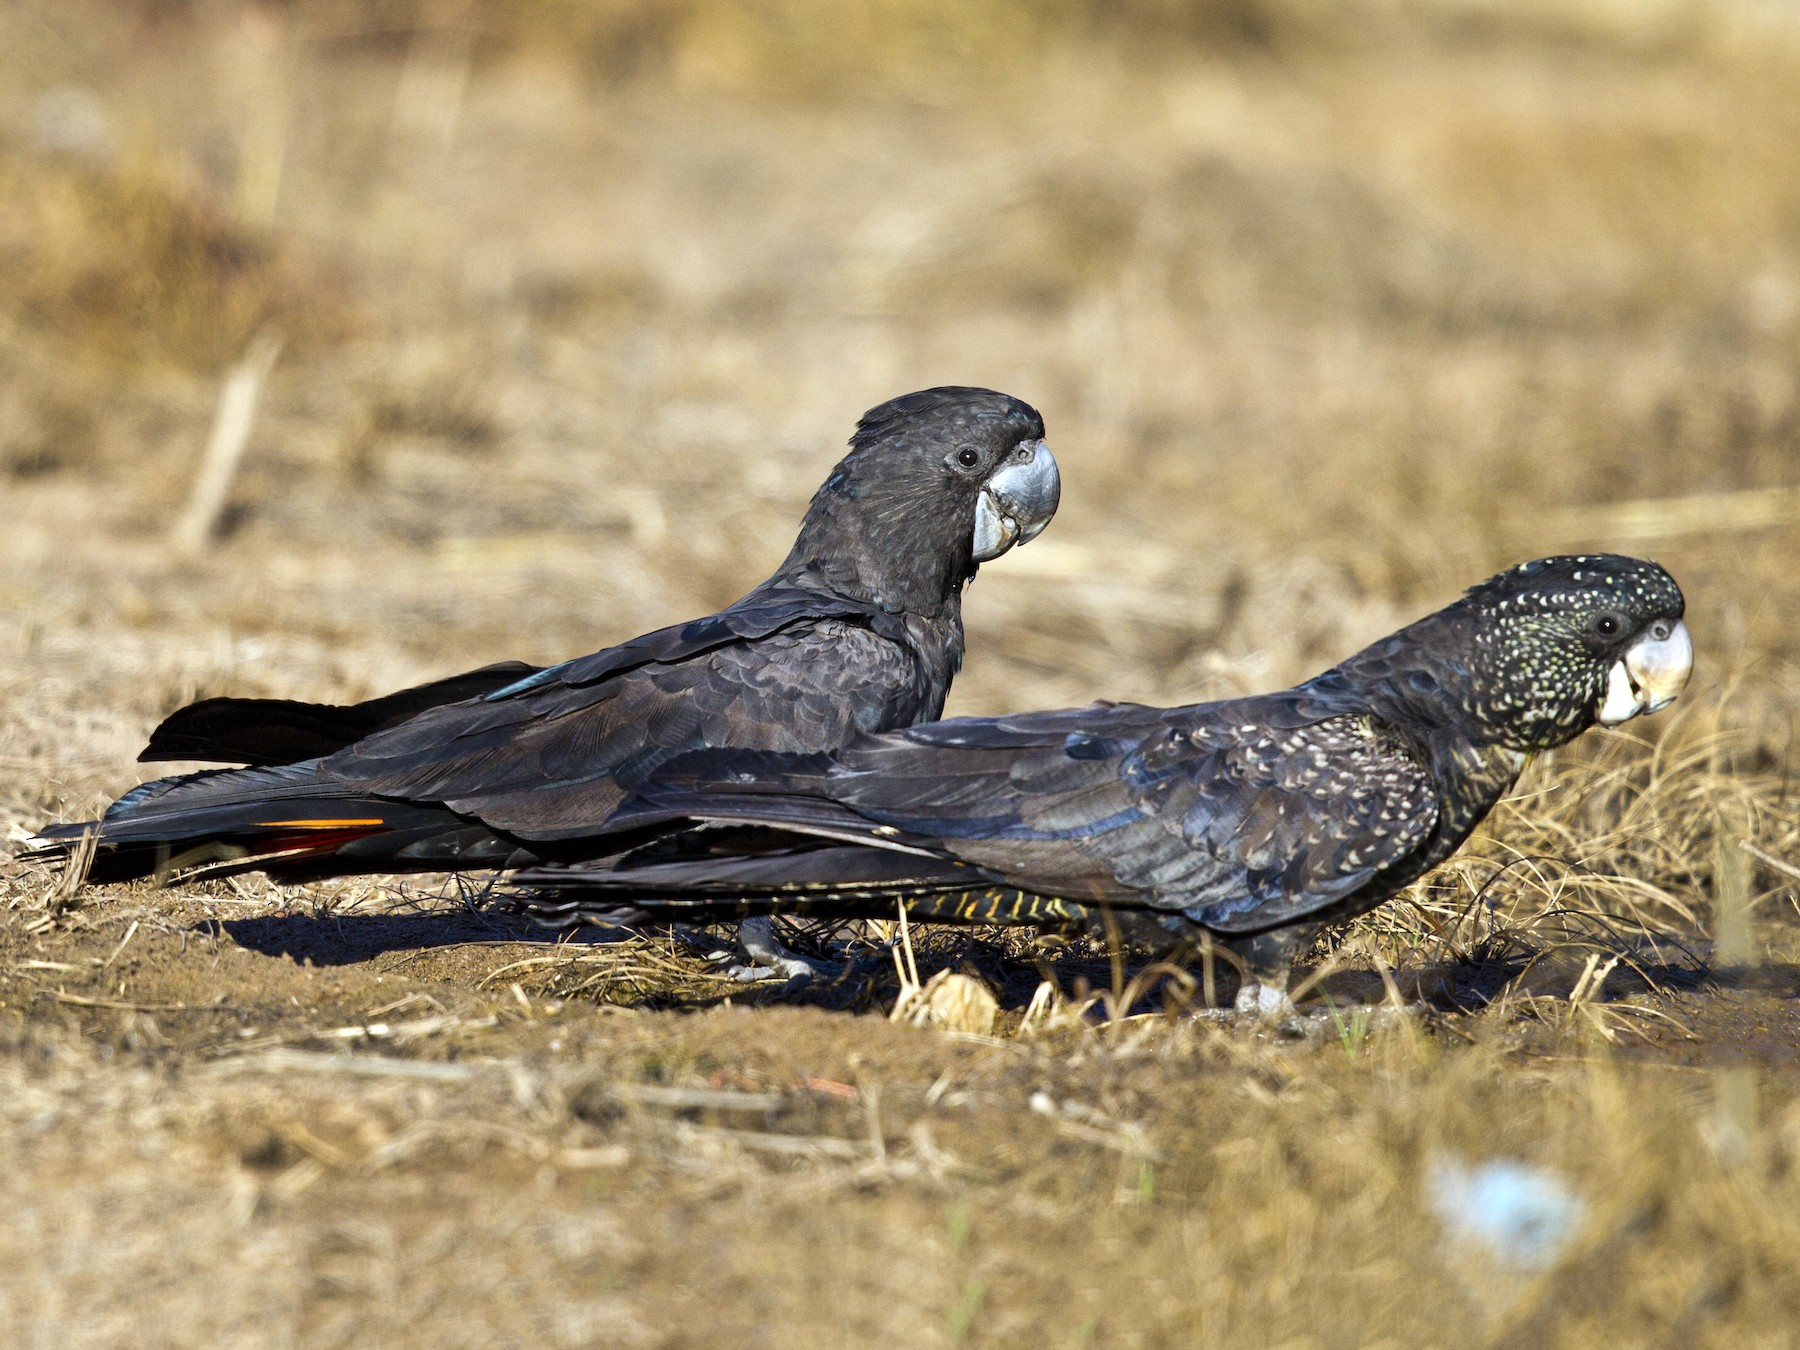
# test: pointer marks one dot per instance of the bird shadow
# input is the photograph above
(347, 939)
(336, 939)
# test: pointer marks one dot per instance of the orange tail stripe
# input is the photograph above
(319, 824)
(308, 841)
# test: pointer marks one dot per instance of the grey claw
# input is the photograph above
(766, 959)
(795, 973)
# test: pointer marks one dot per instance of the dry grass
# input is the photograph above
(1330, 309)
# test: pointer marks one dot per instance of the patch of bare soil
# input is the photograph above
(261, 1123)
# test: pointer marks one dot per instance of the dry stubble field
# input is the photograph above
(1331, 310)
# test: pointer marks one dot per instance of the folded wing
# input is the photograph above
(550, 756)
(1238, 816)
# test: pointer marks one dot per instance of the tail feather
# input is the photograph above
(264, 732)
(283, 819)
(943, 904)
(830, 881)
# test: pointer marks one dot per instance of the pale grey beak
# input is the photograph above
(1647, 678)
(1017, 502)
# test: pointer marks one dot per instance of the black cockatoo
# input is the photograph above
(859, 630)
(1250, 821)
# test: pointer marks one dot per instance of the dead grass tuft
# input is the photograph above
(134, 266)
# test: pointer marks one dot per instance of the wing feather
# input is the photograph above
(1241, 816)
(552, 760)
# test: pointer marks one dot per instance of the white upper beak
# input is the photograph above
(1647, 678)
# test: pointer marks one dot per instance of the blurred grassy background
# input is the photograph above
(1331, 309)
